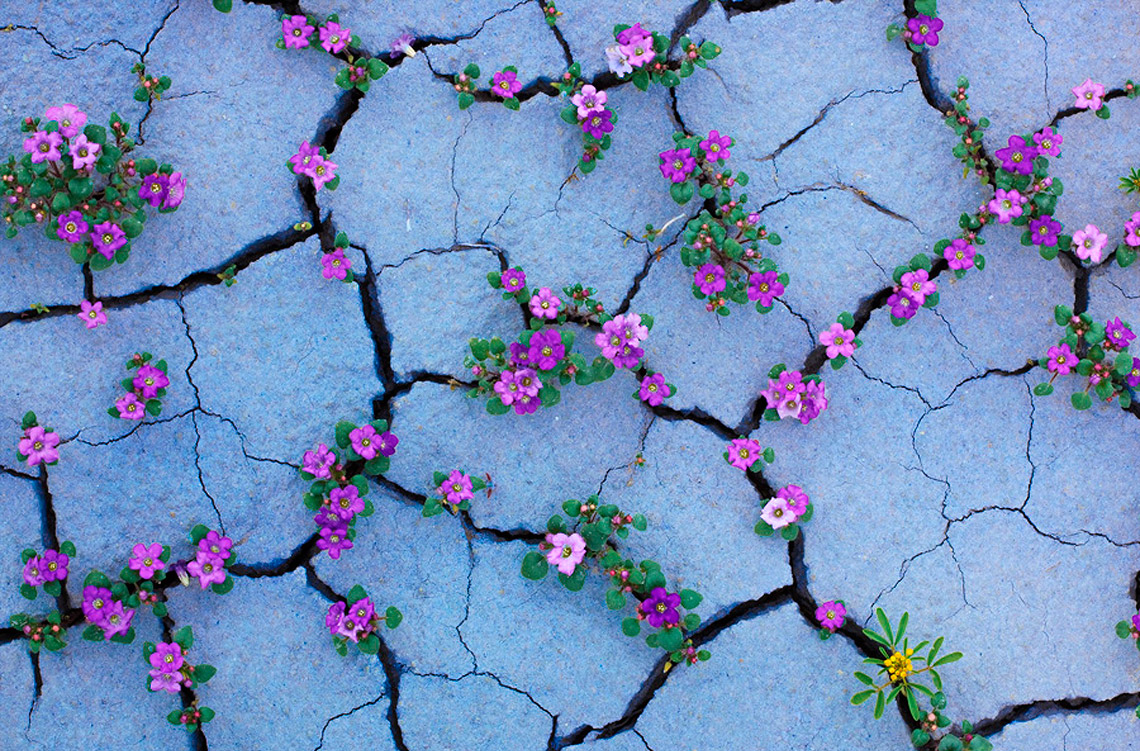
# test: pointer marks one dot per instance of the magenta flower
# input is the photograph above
(43, 146)
(216, 545)
(639, 51)
(1117, 334)
(743, 452)
(334, 617)
(364, 441)
(1048, 142)
(654, 390)
(346, 502)
(528, 381)
(924, 30)
(1089, 242)
(318, 463)
(457, 488)
(167, 657)
(777, 513)
(567, 551)
(84, 153)
(790, 383)
(902, 306)
(117, 620)
(959, 254)
(334, 37)
(627, 356)
(53, 566)
(610, 339)
(507, 387)
(70, 118)
(1136, 621)
(146, 559)
(303, 157)
(362, 612)
(1044, 230)
(789, 406)
(402, 45)
(764, 288)
(513, 280)
(33, 572)
(1006, 204)
(168, 682)
(505, 84)
(525, 404)
(677, 164)
(149, 380)
(208, 568)
(388, 443)
(1061, 360)
(38, 445)
(660, 608)
(335, 265)
(296, 30)
(520, 355)
(176, 185)
(322, 171)
(1089, 95)
(831, 615)
(716, 146)
(130, 408)
(918, 285)
(107, 238)
(335, 540)
(544, 304)
(1017, 157)
(631, 327)
(587, 100)
(796, 499)
(709, 278)
(1133, 377)
(327, 517)
(838, 340)
(1132, 231)
(95, 603)
(91, 314)
(154, 189)
(597, 124)
(814, 401)
(71, 227)
(632, 34)
(546, 349)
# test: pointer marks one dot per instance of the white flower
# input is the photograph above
(777, 513)
(619, 63)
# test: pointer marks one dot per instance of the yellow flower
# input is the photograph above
(898, 666)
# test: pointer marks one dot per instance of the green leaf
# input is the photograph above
(862, 696)
(343, 428)
(393, 617)
(377, 465)
(709, 50)
(615, 600)
(534, 566)
(950, 743)
(670, 639)
(639, 522)
(204, 672)
(1081, 400)
(631, 626)
(1123, 629)
(549, 395)
(864, 678)
(880, 704)
(690, 599)
(495, 406)
(465, 100)
(370, 646)
(790, 532)
(97, 579)
(952, 657)
(357, 593)
(681, 192)
(223, 586)
(28, 591)
(1043, 389)
(885, 624)
(185, 637)
(511, 103)
(472, 70)
(641, 79)
(919, 737)
(225, 6)
(575, 581)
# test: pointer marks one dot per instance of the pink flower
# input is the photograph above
(321, 170)
(1132, 230)
(505, 84)
(831, 614)
(71, 120)
(84, 153)
(39, 445)
(743, 452)
(544, 304)
(43, 146)
(1089, 95)
(716, 146)
(149, 380)
(764, 288)
(777, 514)
(1061, 360)
(567, 552)
(639, 51)
(1006, 205)
(588, 100)
(130, 408)
(334, 37)
(169, 682)
(364, 441)
(346, 502)
(146, 559)
(208, 568)
(296, 30)
(796, 499)
(959, 254)
(335, 265)
(304, 155)
(709, 278)
(318, 463)
(91, 314)
(838, 340)
(917, 284)
(1089, 242)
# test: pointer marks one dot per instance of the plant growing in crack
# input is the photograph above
(1130, 629)
(297, 33)
(145, 389)
(723, 244)
(334, 264)
(38, 445)
(921, 28)
(1098, 353)
(785, 512)
(454, 492)
(151, 88)
(339, 487)
(171, 671)
(1126, 251)
(793, 395)
(48, 570)
(313, 162)
(356, 619)
(643, 56)
(831, 616)
(590, 536)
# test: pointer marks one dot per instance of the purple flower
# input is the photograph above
(764, 287)
(505, 84)
(513, 280)
(618, 61)
(709, 278)
(362, 612)
(677, 164)
(33, 572)
(322, 171)
(1132, 230)
(1133, 377)
(795, 498)
(566, 551)
(72, 228)
(525, 404)
(918, 285)
(208, 568)
(1006, 204)
(1044, 230)
(507, 386)
(303, 157)
(91, 314)
(587, 100)
(130, 408)
(216, 545)
(789, 406)
(43, 146)
(528, 382)
(1061, 360)
(654, 389)
(632, 34)
(117, 620)
(327, 517)
(364, 441)
(627, 356)
(334, 37)
(176, 185)
(39, 446)
(402, 45)
(318, 463)
(716, 145)
(53, 566)
(813, 401)
(743, 452)
(838, 340)
(96, 600)
(296, 30)
(1117, 333)
(520, 355)
(639, 51)
(108, 237)
(544, 304)
(831, 615)
(546, 349)
(1089, 95)
(902, 306)
(1017, 157)
(1136, 621)
(660, 608)
(149, 380)
(959, 254)
(777, 513)
(597, 124)
(631, 327)
(346, 502)
(168, 682)
(1089, 242)
(146, 559)
(167, 657)
(790, 383)
(334, 617)
(334, 540)
(1048, 142)
(457, 488)
(70, 118)
(924, 30)
(610, 339)
(84, 153)
(154, 189)
(388, 443)
(335, 264)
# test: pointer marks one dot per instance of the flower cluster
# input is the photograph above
(528, 372)
(1098, 353)
(921, 29)
(831, 616)
(747, 454)
(313, 162)
(48, 570)
(839, 340)
(1127, 250)
(914, 288)
(171, 671)
(151, 88)
(213, 553)
(46, 633)
(356, 620)
(589, 538)
(334, 264)
(300, 32)
(339, 489)
(1130, 629)
(145, 389)
(81, 185)
(588, 112)
(790, 508)
(38, 445)
(791, 394)
(454, 492)
(723, 246)
(641, 54)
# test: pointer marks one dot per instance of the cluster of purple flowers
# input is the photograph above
(167, 664)
(311, 161)
(911, 293)
(590, 108)
(38, 445)
(619, 340)
(453, 492)
(43, 569)
(634, 50)
(356, 620)
(297, 34)
(792, 395)
(334, 264)
(145, 389)
(106, 612)
(1109, 370)
(790, 505)
(209, 564)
